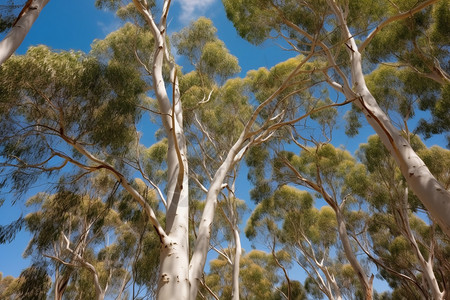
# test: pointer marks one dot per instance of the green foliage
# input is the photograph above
(437, 160)
(123, 11)
(258, 23)
(200, 45)
(336, 170)
(52, 96)
(35, 283)
(32, 284)
(122, 45)
(9, 287)
(387, 226)
(95, 99)
(383, 170)
(440, 114)
(191, 40)
(257, 274)
(421, 71)
(297, 291)
(290, 216)
(8, 232)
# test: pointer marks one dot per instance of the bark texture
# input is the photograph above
(21, 27)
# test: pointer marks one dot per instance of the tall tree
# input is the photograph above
(327, 170)
(336, 33)
(308, 236)
(72, 229)
(402, 241)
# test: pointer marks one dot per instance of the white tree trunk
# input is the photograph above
(426, 265)
(23, 24)
(430, 192)
(236, 264)
(198, 259)
(174, 256)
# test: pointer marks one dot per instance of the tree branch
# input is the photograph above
(398, 17)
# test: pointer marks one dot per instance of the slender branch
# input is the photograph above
(398, 17)
(122, 179)
(286, 275)
(158, 190)
(60, 260)
(221, 253)
(208, 289)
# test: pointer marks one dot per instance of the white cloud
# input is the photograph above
(108, 27)
(191, 9)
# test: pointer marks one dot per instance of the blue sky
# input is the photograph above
(74, 24)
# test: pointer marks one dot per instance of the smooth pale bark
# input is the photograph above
(198, 259)
(21, 28)
(426, 265)
(430, 192)
(174, 256)
(327, 285)
(99, 291)
(60, 285)
(236, 264)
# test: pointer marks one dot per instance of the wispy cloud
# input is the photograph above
(108, 27)
(191, 9)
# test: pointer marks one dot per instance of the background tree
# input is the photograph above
(288, 219)
(402, 240)
(73, 228)
(259, 279)
(329, 171)
(420, 65)
(33, 283)
(66, 116)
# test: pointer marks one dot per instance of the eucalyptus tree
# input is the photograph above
(338, 33)
(410, 251)
(258, 275)
(32, 283)
(20, 27)
(329, 172)
(137, 245)
(73, 228)
(307, 235)
(208, 141)
(417, 66)
(9, 287)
